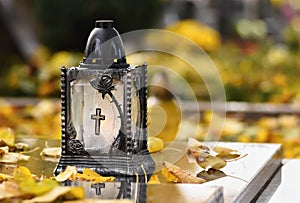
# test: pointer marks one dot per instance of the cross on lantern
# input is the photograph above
(98, 118)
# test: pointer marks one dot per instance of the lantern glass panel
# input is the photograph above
(96, 117)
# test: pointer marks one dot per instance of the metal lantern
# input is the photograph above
(104, 110)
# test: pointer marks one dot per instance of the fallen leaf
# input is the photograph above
(21, 173)
(51, 151)
(154, 179)
(4, 177)
(68, 174)
(37, 188)
(5, 149)
(56, 192)
(91, 175)
(155, 144)
(226, 153)
(7, 136)
(4, 193)
(13, 157)
(175, 174)
(211, 174)
(205, 160)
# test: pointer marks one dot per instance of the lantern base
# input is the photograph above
(121, 166)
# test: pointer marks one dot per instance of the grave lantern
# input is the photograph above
(104, 110)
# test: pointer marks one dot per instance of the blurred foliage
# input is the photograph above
(69, 22)
(283, 129)
(41, 77)
(34, 120)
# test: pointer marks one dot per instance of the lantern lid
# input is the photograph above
(104, 47)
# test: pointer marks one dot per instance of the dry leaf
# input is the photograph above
(21, 173)
(4, 194)
(37, 188)
(4, 177)
(51, 151)
(154, 179)
(211, 174)
(175, 174)
(226, 153)
(91, 175)
(68, 174)
(7, 136)
(51, 196)
(13, 157)
(155, 144)
(205, 160)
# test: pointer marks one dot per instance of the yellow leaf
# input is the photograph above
(154, 179)
(90, 172)
(155, 144)
(5, 176)
(69, 173)
(51, 151)
(77, 192)
(37, 188)
(56, 192)
(21, 173)
(169, 176)
(226, 153)
(91, 175)
(7, 135)
(174, 173)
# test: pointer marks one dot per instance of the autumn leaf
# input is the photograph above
(62, 192)
(21, 173)
(4, 177)
(68, 174)
(37, 188)
(205, 160)
(7, 136)
(226, 153)
(51, 151)
(155, 144)
(13, 157)
(211, 174)
(91, 175)
(154, 179)
(175, 174)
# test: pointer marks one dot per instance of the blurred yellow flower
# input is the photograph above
(206, 37)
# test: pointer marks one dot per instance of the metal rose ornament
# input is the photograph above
(104, 110)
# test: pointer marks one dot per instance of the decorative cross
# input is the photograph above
(98, 118)
(98, 187)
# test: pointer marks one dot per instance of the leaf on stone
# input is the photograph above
(211, 174)
(13, 157)
(68, 174)
(21, 173)
(154, 179)
(68, 193)
(205, 160)
(90, 175)
(226, 153)
(37, 188)
(51, 151)
(176, 174)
